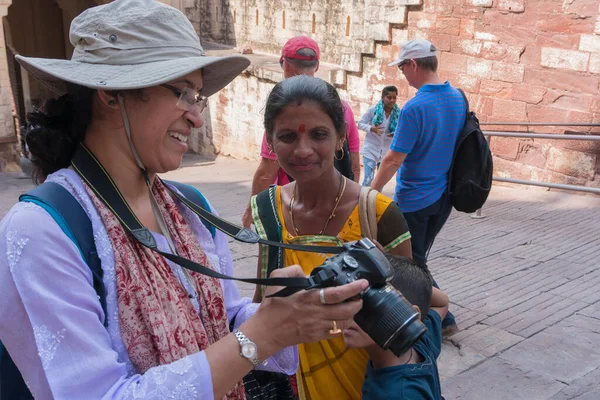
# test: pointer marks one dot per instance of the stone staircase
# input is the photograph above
(380, 17)
(346, 30)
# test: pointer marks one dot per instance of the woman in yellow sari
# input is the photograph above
(304, 121)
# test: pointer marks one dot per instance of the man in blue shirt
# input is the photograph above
(422, 149)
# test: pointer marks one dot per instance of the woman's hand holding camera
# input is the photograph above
(306, 316)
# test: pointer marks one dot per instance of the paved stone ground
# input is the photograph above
(523, 283)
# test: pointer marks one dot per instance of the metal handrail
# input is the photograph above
(538, 124)
(579, 188)
(549, 185)
(593, 138)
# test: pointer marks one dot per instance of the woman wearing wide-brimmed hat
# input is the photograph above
(133, 90)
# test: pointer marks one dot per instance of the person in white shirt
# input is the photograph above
(379, 122)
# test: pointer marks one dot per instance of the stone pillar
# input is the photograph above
(9, 146)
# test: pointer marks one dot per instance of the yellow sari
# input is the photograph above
(328, 369)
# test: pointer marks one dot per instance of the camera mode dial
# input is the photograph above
(350, 261)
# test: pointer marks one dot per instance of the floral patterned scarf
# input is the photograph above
(378, 116)
(159, 324)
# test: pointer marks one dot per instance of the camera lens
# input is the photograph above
(389, 319)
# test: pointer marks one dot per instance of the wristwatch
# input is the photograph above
(248, 348)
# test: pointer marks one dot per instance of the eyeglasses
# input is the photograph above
(403, 63)
(188, 98)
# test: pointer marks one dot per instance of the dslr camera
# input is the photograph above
(386, 316)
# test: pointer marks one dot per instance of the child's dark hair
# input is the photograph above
(386, 90)
(413, 280)
(301, 88)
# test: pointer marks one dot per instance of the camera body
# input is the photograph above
(386, 316)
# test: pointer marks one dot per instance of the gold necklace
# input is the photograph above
(331, 215)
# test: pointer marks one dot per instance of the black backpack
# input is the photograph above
(470, 178)
(73, 220)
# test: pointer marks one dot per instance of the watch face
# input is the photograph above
(249, 350)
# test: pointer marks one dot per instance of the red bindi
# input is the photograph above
(301, 128)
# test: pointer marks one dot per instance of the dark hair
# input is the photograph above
(386, 90)
(59, 125)
(413, 280)
(56, 129)
(298, 88)
(428, 63)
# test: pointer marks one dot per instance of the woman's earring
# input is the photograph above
(111, 103)
(335, 155)
(270, 152)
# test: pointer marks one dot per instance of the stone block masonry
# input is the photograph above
(517, 61)
(533, 64)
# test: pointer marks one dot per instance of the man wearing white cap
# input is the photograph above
(422, 149)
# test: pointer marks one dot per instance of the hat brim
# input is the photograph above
(398, 61)
(217, 72)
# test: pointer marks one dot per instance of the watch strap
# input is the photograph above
(243, 340)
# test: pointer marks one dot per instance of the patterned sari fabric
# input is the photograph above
(159, 324)
(328, 369)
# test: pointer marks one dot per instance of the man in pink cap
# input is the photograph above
(300, 56)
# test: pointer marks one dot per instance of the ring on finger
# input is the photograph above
(322, 296)
(335, 330)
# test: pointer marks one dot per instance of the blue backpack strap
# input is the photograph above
(74, 222)
(194, 195)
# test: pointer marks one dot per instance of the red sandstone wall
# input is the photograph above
(518, 60)
(534, 60)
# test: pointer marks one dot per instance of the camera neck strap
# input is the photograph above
(97, 178)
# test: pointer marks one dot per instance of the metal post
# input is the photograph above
(478, 214)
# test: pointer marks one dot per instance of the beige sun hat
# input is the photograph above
(133, 44)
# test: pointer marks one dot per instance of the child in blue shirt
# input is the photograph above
(414, 374)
